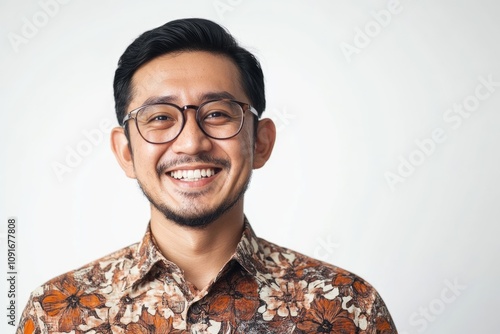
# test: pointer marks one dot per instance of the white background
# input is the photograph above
(344, 122)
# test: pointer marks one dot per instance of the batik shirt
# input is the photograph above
(263, 288)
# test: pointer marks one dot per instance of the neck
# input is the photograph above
(199, 252)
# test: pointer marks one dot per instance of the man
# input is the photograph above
(188, 100)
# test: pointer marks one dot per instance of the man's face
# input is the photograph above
(191, 78)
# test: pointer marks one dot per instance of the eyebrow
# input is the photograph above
(202, 98)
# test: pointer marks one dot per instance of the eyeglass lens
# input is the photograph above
(161, 123)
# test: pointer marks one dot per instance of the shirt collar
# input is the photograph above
(145, 258)
(249, 254)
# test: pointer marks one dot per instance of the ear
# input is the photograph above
(121, 149)
(266, 135)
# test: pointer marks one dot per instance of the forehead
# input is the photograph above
(186, 76)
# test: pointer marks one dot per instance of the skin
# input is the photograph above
(189, 78)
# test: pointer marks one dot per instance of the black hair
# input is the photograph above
(191, 34)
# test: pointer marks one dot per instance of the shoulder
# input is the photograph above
(80, 291)
(285, 262)
(320, 289)
(98, 273)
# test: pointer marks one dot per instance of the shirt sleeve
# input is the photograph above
(382, 322)
(29, 323)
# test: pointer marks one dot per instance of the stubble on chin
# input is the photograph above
(194, 217)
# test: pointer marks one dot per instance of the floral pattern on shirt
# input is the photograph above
(264, 288)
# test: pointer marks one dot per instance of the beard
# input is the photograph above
(194, 217)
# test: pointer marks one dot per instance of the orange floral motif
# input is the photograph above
(151, 324)
(106, 328)
(285, 299)
(70, 304)
(343, 279)
(295, 266)
(353, 285)
(383, 326)
(95, 276)
(129, 305)
(29, 327)
(327, 316)
(238, 297)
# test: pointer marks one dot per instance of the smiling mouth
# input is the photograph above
(193, 174)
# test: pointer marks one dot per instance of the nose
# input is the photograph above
(191, 140)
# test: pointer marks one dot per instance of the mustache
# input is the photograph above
(201, 158)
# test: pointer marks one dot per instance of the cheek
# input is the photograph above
(246, 148)
(146, 157)
(247, 152)
(248, 139)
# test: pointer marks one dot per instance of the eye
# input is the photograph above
(217, 114)
(217, 117)
(160, 118)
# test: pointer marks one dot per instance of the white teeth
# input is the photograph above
(192, 174)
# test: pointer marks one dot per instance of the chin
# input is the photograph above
(194, 219)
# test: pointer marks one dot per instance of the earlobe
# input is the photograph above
(121, 150)
(266, 135)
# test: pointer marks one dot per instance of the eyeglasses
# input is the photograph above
(161, 123)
